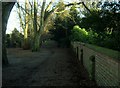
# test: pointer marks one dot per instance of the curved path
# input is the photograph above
(51, 66)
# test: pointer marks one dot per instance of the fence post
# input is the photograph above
(92, 58)
(77, 53)
(81, 56)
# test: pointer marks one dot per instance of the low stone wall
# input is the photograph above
(101, 68)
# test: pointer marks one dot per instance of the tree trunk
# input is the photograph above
(36, 44)
(6, 9)
(41, 29)
(26, 43)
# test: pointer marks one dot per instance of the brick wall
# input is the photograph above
(106, 68)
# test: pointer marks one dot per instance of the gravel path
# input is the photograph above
(48, 67)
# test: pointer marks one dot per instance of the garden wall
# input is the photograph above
(101, 68)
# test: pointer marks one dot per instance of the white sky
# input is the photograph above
(13, 21)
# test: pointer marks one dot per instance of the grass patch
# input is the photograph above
(106, 51)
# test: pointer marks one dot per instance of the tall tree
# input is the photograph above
(24, 17)
(26, 44)
(36, 34)
(44, 16)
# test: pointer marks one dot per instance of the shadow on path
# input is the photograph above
(51, 66)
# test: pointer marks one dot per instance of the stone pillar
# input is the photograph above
(92, 59)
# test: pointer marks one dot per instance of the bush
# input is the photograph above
(14, 39)
(79, 34)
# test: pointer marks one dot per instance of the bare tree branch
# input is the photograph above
(21, 22)
(86, 7)
(78, 4)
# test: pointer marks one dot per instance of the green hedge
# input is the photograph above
(108, 52)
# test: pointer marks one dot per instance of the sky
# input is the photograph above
(13, 21)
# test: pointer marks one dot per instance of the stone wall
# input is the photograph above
(105, 70)
(0, 43)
